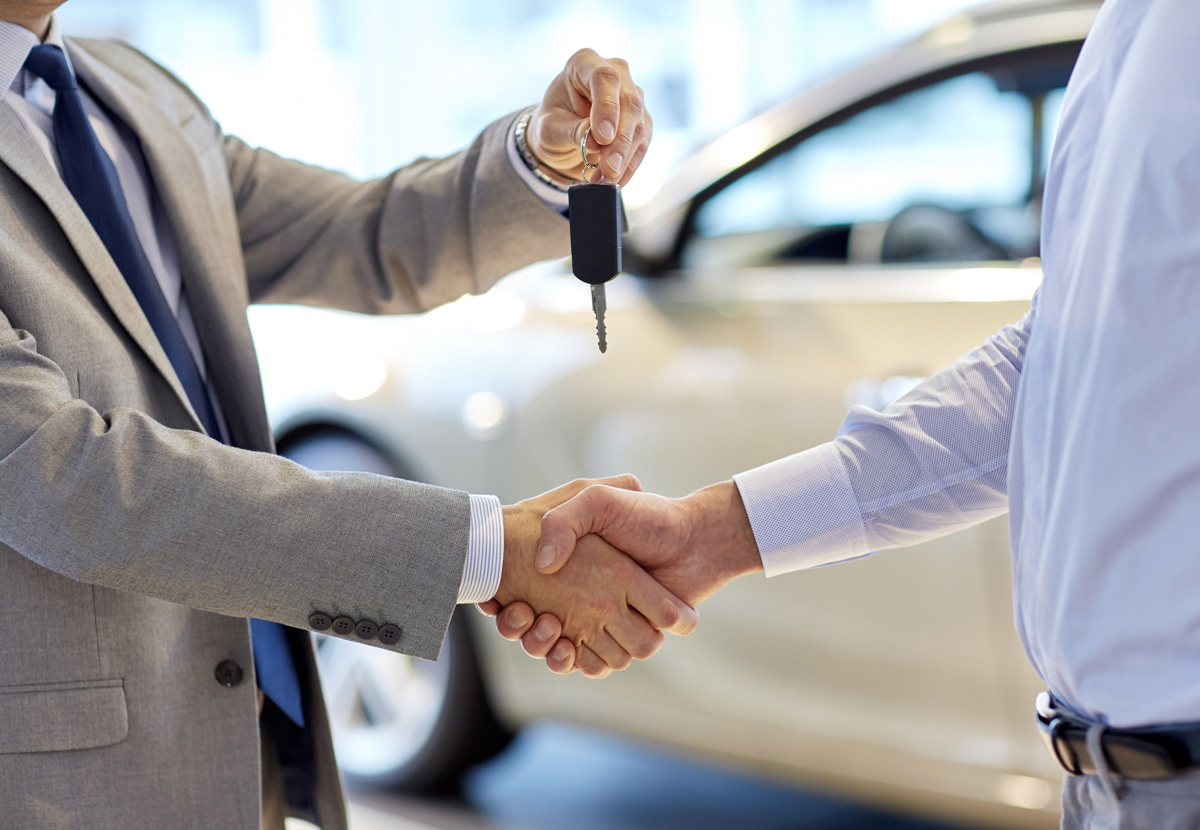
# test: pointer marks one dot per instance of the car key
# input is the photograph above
(596, 221)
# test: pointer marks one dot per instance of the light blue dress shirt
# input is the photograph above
(1083, 418)
(33, 102)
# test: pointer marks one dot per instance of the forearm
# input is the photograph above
(933, 462)
(427, 234)
(118, 499)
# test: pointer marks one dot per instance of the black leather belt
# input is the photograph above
(1153, 752)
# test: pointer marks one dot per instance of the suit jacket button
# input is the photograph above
(343, 626)
(366, 630)
(320, 622)
(389, 635)
(228, 673)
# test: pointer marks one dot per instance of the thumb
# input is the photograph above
(594, 510)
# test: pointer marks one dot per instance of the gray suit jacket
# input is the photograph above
(132, 547)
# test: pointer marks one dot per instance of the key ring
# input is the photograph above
(587, 165)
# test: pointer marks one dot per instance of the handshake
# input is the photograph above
(595, 571)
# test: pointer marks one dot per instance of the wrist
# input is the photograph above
(721, 527)
(542, 171)
(520, 535)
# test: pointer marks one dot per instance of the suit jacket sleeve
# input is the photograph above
(120, 500)
(426, 234)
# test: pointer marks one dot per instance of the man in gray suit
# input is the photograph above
(143, 517)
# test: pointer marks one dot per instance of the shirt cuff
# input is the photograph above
(485, 551)
(803, 511)
(552, 197)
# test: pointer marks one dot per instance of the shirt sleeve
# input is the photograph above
(933, 462)
(485, 551)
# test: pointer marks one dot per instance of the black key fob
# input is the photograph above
(596, 218)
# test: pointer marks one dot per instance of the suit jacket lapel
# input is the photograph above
(25, 159)
(217, 298)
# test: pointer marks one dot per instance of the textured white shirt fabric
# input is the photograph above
(1081, 418)
(32, 100)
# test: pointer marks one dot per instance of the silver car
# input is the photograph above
(831, 251)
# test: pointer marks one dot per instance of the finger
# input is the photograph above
(542, 636)
(571, 489)
(603, 82)
(561, 659)
(590, 664)
(636, 635)
(638, 154)
(600, 81)
(489, 608)
(610, 651)
(625, 481)
(514, 621)
(617, 155)
(590, 511)
(633, 165)
(664, 610)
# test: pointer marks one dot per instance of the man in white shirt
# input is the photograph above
(1080, 420)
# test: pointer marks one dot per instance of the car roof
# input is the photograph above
(988, 31)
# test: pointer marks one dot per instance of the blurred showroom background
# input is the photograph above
(395, 79)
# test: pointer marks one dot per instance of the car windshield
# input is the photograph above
(949, 172)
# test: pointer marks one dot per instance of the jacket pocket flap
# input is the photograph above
(60, 716)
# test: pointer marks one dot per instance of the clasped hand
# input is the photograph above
(613, 568)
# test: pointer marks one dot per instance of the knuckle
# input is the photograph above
(601, 607)
(620, 62)
(633, 104)
(647, 648)
(583, 54)
(607, 74)
(669, 614)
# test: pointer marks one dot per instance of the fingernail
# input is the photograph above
(517, 618)
(543, 631)
(607, 130)
(545, 556)
(559, 652)
(616, 162)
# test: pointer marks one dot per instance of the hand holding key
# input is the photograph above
(597, 94)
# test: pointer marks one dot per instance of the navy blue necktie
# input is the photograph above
(92, 179)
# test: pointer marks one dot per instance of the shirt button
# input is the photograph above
(389, 635)
(343, 626)
(366, 630)
(228, 673)
(320, 622)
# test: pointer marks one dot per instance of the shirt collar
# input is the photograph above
(15, 43)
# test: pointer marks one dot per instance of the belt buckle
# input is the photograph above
(1129, 756)
(1058, 743)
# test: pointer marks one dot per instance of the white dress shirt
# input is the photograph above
(33, 102)
(1082, 419)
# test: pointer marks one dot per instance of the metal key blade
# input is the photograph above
(598, 305)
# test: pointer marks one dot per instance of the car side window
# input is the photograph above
(942, 173)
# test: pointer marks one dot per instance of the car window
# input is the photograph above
(941, 173)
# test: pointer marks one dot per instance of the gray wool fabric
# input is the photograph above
(132, 547)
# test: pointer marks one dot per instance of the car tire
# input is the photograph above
(398, 722)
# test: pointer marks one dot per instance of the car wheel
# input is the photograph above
(398, 721)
